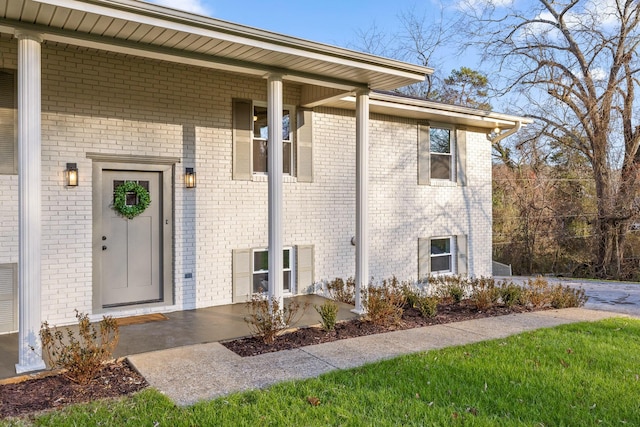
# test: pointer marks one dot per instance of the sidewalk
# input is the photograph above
(206, 371)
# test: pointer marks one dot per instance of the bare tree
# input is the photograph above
(576, 62)
(420, 40)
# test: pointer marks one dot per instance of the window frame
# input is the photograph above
(291, 269)
(452, 254)
(12, 169)
(452, 152)
(290, 141)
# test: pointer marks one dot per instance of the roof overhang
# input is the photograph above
(147, 30)
(421, 109)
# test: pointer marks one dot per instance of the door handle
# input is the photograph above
(104, 248)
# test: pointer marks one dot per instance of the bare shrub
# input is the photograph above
(342, 291)
(427, 304)
(384, 303)
(328, 312)
(81, 357)
(484, 293)
(267, 320)
(565, 296)
(453, 288)
(510, 294)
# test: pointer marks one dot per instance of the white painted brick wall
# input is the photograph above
(100, 102)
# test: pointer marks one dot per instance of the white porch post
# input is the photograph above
(362, 201)
(275, 147)
(30, 203)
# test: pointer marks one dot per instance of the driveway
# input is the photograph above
(619, 297)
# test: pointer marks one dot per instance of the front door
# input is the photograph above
(131, 249)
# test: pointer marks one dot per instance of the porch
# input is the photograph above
(181, 328)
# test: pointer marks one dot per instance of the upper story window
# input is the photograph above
(261, 142)
(8, 138)
(440, 141)
(442, 154)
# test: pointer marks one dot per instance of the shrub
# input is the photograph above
(266, 320)
(340, 291)
(427, 304)
(484, 293)
(384, 303)
(449, 287)
(328, 312)
(564, 296)
(81, 357)
(536, 293)
(510, 294)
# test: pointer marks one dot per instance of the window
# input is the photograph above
(441, 256)
(440, 149)
(442, 154)
(260, 140)
(8, 138)
(261, 270)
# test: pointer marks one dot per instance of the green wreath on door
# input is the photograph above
(120, 199)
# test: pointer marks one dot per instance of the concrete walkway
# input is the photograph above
(206, 371)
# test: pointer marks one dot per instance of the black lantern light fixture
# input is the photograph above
(189, 178)
(71, 174)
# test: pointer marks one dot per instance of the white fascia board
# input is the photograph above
(144, 13)
(406, 103)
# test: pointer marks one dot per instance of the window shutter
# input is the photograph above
(305, 146)
(461, 151)
(242, 275)
(424, 156)
(8, 139)
(242, 139)
(462, 259)
(424, 258)
(305, 267)
(8, 297)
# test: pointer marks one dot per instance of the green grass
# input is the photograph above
(576, 375)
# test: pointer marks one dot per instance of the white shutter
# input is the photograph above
(462, 259)
(242, 275)
(461, 156)
(424, 258)
(8, 297)
(8, 145)
(242, 139)
(305, 146)
(305, 269)
(424, 154)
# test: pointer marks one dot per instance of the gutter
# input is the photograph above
(510, 132)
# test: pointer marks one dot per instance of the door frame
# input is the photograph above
(166, 167)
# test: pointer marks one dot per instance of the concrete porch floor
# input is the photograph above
(204, 325)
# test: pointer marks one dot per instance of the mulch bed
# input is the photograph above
(120, 379)
(447, 313)
(52, 392)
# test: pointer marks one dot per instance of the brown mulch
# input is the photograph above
(120, 379)
(55, 391)
(447, 313)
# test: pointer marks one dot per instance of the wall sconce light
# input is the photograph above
(189, 178)
(71, 174)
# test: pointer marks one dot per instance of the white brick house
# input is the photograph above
(373, 184)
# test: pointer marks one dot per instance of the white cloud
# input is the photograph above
(194, 6)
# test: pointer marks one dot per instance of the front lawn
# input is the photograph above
(576, 375)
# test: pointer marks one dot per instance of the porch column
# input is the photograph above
(274, 166)
(362, 201)
(30, 202)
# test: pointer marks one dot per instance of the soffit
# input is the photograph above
(148, 30)
(420, 109)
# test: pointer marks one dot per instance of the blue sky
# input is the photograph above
(334, 22)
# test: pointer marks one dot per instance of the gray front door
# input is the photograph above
(131, 249)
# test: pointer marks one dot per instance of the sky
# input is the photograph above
(334, 22)
(328, 21)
